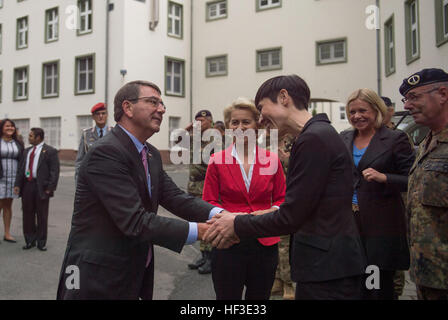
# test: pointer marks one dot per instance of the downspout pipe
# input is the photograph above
(191, 61)
(106, 73)
(378, 50)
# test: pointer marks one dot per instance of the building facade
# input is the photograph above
(60, 57)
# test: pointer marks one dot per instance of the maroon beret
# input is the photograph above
(98, 106)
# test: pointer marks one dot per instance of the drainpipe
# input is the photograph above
(378, 51)
(191, 61)
(106, 81)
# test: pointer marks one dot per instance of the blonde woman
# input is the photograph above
(382, 159)
(237, 184)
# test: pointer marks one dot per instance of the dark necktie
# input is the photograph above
(31, 163)
(145, 165)
(101, 133)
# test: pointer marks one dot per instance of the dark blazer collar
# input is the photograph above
(126, 141)
(321, 117)
(377, 146)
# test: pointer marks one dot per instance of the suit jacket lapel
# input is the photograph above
(42, 155)
(235, 172)
(154, 168)
(135, 156)
(376, 148)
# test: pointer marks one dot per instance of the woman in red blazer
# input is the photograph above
(235, 185)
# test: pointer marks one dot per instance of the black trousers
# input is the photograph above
(35, 214)
(247, 264)
(339, 289)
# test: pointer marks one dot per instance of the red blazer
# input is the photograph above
(224, 184)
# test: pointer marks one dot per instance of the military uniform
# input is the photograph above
(428, 213)
(88, 138)
(427, 203)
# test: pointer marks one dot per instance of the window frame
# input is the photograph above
(389, 52)
(208, 18)
(19, 31)
(81, 14)
(173, 19)
(77, 58)
(209, 74)
(1, 38)
(1, 85)
(182, 77)
(47, 131)
(409, 28)
(441, 22)
(269, 6)
(57, 80)
(319, 61)
(270, 67)
(15, 83)
(55, 25)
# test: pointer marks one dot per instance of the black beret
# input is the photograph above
(422, 78)
(387, 101)
(203, 113)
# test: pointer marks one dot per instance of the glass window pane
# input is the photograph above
(339, 50)
(276, 58)
(325, 51)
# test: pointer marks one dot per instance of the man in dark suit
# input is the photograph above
(327, 259)
(36, 181)
(120, 185)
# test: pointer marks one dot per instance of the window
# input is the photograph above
(52, 129)
(441, 22)
(389, 46)
(85, 74)
(174, 123)
(1, 38)
(174, 85)
(331, 51)
(21, 83)
(175, 20)
(85, 16)
(268, 4)
(23, 128)
(342, 113)
(22, 33)
(51, 25)
(84, 122)
(269, 59)
(1, 3)
(412, 31)
(50, 79)
(1, 84)
(216, 10)
(216, 66)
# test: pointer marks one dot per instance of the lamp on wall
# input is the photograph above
(123, 72)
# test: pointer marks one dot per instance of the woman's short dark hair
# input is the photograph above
(2, 125)
(38, 132)
(130, 91)
(296, 87)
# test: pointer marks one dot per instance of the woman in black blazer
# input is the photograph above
(382, 159)
(11, 151)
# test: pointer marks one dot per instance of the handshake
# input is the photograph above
(220, 230)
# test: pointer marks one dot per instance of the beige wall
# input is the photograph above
(431, 56)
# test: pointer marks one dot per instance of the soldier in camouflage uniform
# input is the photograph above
(90, 135)
(426, 97)
(195, 186)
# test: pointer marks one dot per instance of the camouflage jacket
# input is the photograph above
(427, 209)
(197, 171)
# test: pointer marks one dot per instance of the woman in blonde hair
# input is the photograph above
(382, 159)
(238, 179)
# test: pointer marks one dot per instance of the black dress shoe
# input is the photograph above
(44, 248)
(28, 246)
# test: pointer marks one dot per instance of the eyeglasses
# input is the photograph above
(412, 97)
(151, 100)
